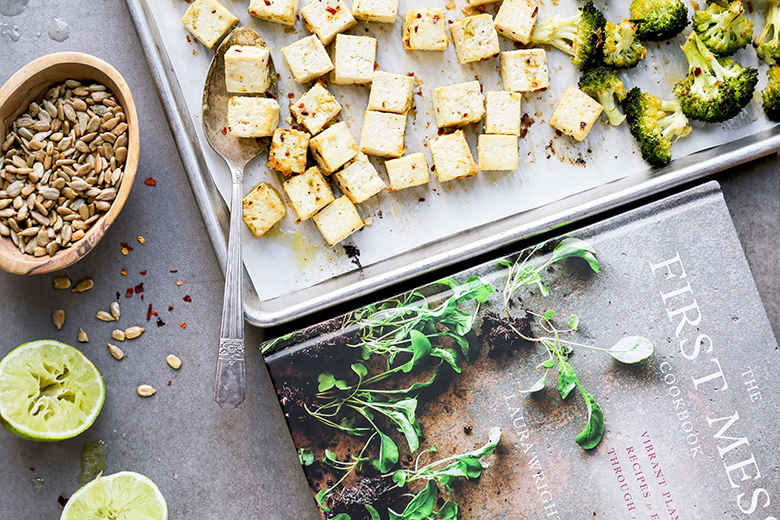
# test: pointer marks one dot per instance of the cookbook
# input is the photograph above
(622, 371)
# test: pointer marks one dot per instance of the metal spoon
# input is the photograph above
(230, 387)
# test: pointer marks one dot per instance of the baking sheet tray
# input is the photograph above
(422, 229)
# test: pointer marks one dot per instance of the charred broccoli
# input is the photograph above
(581, 36)
(768, 42)
(622, 48)
(716, 88)
(603, 85)
(722, 27)
(656, 124)
(659, 20)
(771, 94)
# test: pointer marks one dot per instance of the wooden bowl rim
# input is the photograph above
(11, 259)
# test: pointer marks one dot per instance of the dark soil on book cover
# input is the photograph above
(374, 491)
(500, 335)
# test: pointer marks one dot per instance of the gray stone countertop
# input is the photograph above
(209, 463)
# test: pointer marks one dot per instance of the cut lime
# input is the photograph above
(125, 495)
(49, 391)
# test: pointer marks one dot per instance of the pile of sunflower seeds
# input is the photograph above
(61, 166)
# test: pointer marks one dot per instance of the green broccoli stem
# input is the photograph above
(772, 25)
(559, 32)
(608, 101)
(700, 64)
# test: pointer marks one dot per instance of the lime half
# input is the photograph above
(125, 495)
(49, 391)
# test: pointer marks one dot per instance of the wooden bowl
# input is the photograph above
(30, 84)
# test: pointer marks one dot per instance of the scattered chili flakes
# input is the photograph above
(149, 313)
(179, 283)
(160, 322)
(124, 272)
(154, 313)
(169, 383)
(129, 293)
(187, 299)
(150, 182)
(139, 288)
(32, 469)
(142, 297)
(62, 501)
(118, 295)
(183, 325)
(141, 239)
(175, 271)
(170, 308)
(142, 273)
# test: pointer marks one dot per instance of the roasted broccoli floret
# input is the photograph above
(622, 48)
(768, 42)
(581, 36)
(771, 94)
(659, 20)
(656, 124)
(722, 27)
(716, 88)
(604, 85)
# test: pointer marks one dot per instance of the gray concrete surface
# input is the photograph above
(209, 463)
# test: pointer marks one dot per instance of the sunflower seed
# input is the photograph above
(173, 361)
(83, 338)
(104, 316)
(84, 285)
(115, 351)
(146, 390)
(118, 335)
(115, 312)
(133, 332)
(58, 317)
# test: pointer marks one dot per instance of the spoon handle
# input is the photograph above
(230, 388)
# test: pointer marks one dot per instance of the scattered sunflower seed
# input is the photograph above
(146, 390)
(104, 316)
(133, 332)
(118, 335)
(115, 312)
(84, 285)
(83, 338)
(63, 282)
(174, 362)
(58, 317)
(115, 351)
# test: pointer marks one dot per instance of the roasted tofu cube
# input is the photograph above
(208, 21)
(277, 11)
(425, 30)
(338, 221)
(458, 105)
(503, 112)
(262, 208)
(288, 151)
(408, 171)
(252, 116)
(475, 38)
(524, 70)
(498, 152)
(383, 11)
(247, 70)
(307, 59)
(315, 108)
(383, 134)
(452, 157)
(308, 193)
(391, 92)
(359, 179)
(516, 19)
(480, 2)
(575, 113)
(327, 18)
(333, 147)
(354, 58)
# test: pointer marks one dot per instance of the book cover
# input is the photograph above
(625, 371)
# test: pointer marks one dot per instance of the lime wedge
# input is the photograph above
(49, 391)
(125, 495)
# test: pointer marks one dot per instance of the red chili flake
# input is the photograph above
(149, 313)
(124, 245)
(169, 383)
(175, 271)
(224, 130)
(170, 308)
(32, 469)
(183, 325)
(139, 288)
(154, 313)
(268, 3)
(142, 297)
(160, 322)
(187, 299)
(331, 10)
(291, 95)
(421, 199)
(150, 182)
(124, 272)
(62, 501)
(583, 125)
(129, 293)
(142, 273)
(118, 295)
(536, 11)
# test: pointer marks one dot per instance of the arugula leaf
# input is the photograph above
(590, 437)
(421, 348)
(388, 454)
(399, 477)
(342, 516)
(548, 315)
(447, 356)
(567, 379)
(360, 370)
(449, 511)
(538, 386)
(373, 512)
(574, 322)
(494, 436)
(574, 247)
(326, 380)
(306, 457)
(632, 349)
(421, 506)
(550, 363)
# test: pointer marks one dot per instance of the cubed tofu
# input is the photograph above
(327, 18)
(246, 69)
(359, 179)
(383, 11)
(354, 58)
(333, 147)
(503, 112)
(308, 193)
(252, 116)
(315, 108)
(458, 105)
(383, 134)
(277, 11)
(481, 2)
(425, 30)
(307, 59)
(391, 92)
(524, 70)
(576, 113)
(475, 38)
(452, 157)
(408, 171)
(288, 151)
(516, 19)
(338, 221)
(208, 21)
(262, 208)
(498, 152)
